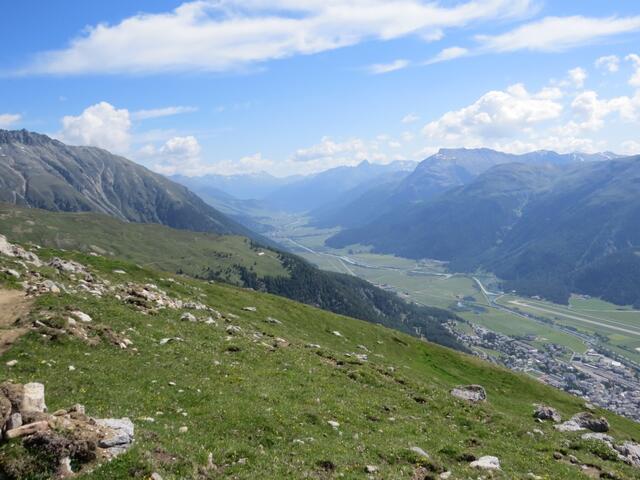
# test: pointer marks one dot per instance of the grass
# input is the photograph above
(190, 252)
(250, 406)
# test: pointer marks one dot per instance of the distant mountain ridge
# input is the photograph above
(545, 229)
(38, 171)
(446, 169)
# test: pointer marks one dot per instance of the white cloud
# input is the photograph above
(100, 125)
(497, 114)
(9, 119)
(448, 54)
(228, 34)
(610, 63)
(177, 155)
(553, 34)
(161, 112)
(634, 81)
(578, 76)
(410, 118)
(380, 68)
(630, 147)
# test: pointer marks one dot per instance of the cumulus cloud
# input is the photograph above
(610, 63)
(178, 154)
(497, 114)
(9, 119)
(222, 35)
(630, 147)
(578, 76)
(161, 112)
(553, 34)
(100, 125)
(634, 81)
(380, 68)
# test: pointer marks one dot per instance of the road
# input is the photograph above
(575, 317)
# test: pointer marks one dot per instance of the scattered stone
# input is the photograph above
(573, 459)
(370, 469)
(188, 317)
(164, 341)
(312, 345)
(155, 476)
(119, 272)
(445, 475)
(544, 412)
(486, 463)
(11, 363)
(471, 393)
(274, 321)
(420, 452)
(250, 309)
(334, 424)
(233, 330)
(336, 333)
(83, 317)
(14, 421)
(183, 429)
(600, 437)
(64, 468)
(584, 421)
(11, 272)
(119, 437)
(629, 452)
(67, 266)
(558, 455)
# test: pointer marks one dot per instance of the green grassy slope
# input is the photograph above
(263, 412)
(227, 258)
(193, 253)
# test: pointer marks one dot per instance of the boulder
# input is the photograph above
(83, 317)
(486, 463)
(471, 393)
(544, 412)
(26, 430)
(118, 436)
(188, 317)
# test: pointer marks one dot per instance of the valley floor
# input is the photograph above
(589, 347)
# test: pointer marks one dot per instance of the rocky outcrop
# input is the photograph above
(584, 421)
(486, 463)
(66, 437)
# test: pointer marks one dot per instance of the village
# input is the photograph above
(596, 376)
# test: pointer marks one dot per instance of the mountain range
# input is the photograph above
(546, 229)
(37, 171)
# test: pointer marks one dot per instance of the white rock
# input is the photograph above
(420, 452)
(11, 363)
(445, 475)
(337, 333)
(183, 429)
(188, 317)
(371, 469)
(83, 317)
(486, 463)
(250, 309)
(33, 398)
(334, 424)
(120, 272)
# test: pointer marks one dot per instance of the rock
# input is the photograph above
(445, 475)
(164, 341)
(544, 412)
(629, 452)
(600, 437)
(119, 272)
(336, 333)
(183, 429)
(486, 463)
(471, 393)
(28, 429)
(558, 455)
(312, 345)
(155, 476)
(14, 421)
(334, 424)
(274, 321)
(250, 309)
(573, 459)
(370, 469)
(67, 266)
(11, 272)
(233, 329)
(33, 398)
(420, 452)
(188, 317)
(83, 317)
(584, 421)
(64, 468)
(11, 363)
(5, 410)
(49, 286)
(119, 434)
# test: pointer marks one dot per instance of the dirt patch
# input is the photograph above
(13, 307)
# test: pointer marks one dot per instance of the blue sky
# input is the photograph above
(300, 86)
